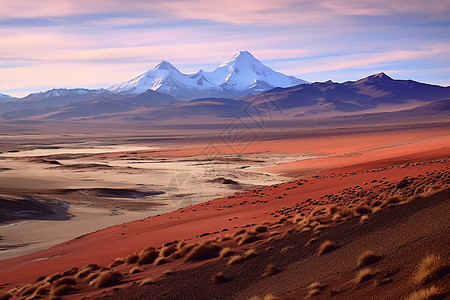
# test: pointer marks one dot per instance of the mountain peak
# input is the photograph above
(380, 75)
(165, 65)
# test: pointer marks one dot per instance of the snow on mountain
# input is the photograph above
(243, 72)
(4, 97)
(165, 78)
(63, 93)
(241, 75)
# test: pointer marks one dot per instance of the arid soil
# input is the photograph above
(384, 191)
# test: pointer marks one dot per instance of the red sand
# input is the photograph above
(104, 246)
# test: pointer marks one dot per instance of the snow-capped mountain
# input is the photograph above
(4, 97)
(165, 78)
(242, 74)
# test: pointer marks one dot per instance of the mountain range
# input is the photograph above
(243, 74)
(372, 95)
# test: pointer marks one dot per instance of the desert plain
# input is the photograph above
(193, 215)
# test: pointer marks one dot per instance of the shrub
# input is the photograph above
(235, 259)
(246, 238)
(132, 259)
(64, 281)
(54, 277)
(5, 295)
(161, 261)
(363, 210)
(70, 272)
(146, 281)
(61, 290)
(261, 228)
(326, 247)
(431, 267)
(219, 278)
(168, 250)
(135, 270)
(107, 278)
(270, 270)
(183, 250)
(364, 275)
(426, 294)
(26, 290)
(203, 251)
(250, 253)
(41, 290)
(117, 262)
(147, 256)
(225, 252)
(367, 258)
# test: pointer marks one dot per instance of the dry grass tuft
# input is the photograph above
(183, 249)
(426, 294)
(219, 278)
(316, 285)
(168, 250)
(364, 275)
(246, 238)
(261, 228)
(42, 290)
(5, 295)
(430, 268)
(146, 281)
(367, 258)
(26, 290)
(311, 241)
(54, 277)
(64, 281)
(107, 278)
(235, 259)
(313, 292)
(391, 201)
(132, 259)
(61, 290)
(271, 269)
(363, 219)
(225, 252)
(203, 251)
(160, 261)
(119, 261)
(363, 210)
(250, 253)
(326, 247)
(70, 272)
(147, 256)
(135, 270)
(242, 231)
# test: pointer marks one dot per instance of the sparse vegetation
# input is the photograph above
(246, 238)
(225, 252)
(426, 294)
(135, 270)
(203, 251)
(431, 267)
(219, 278)
(363, 219)
(364, 275)
(147, 256)
(5, 295)
(367, 258)
(235, 259)
(117, 262)
(61, 290)
(160, 261)
(64, 281)
(261, 228)
(326, 247)
(271, 269)
(146, 281)
(107, 278)
(363, 210)
(131, 259)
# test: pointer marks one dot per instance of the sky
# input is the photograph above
(49, 44)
